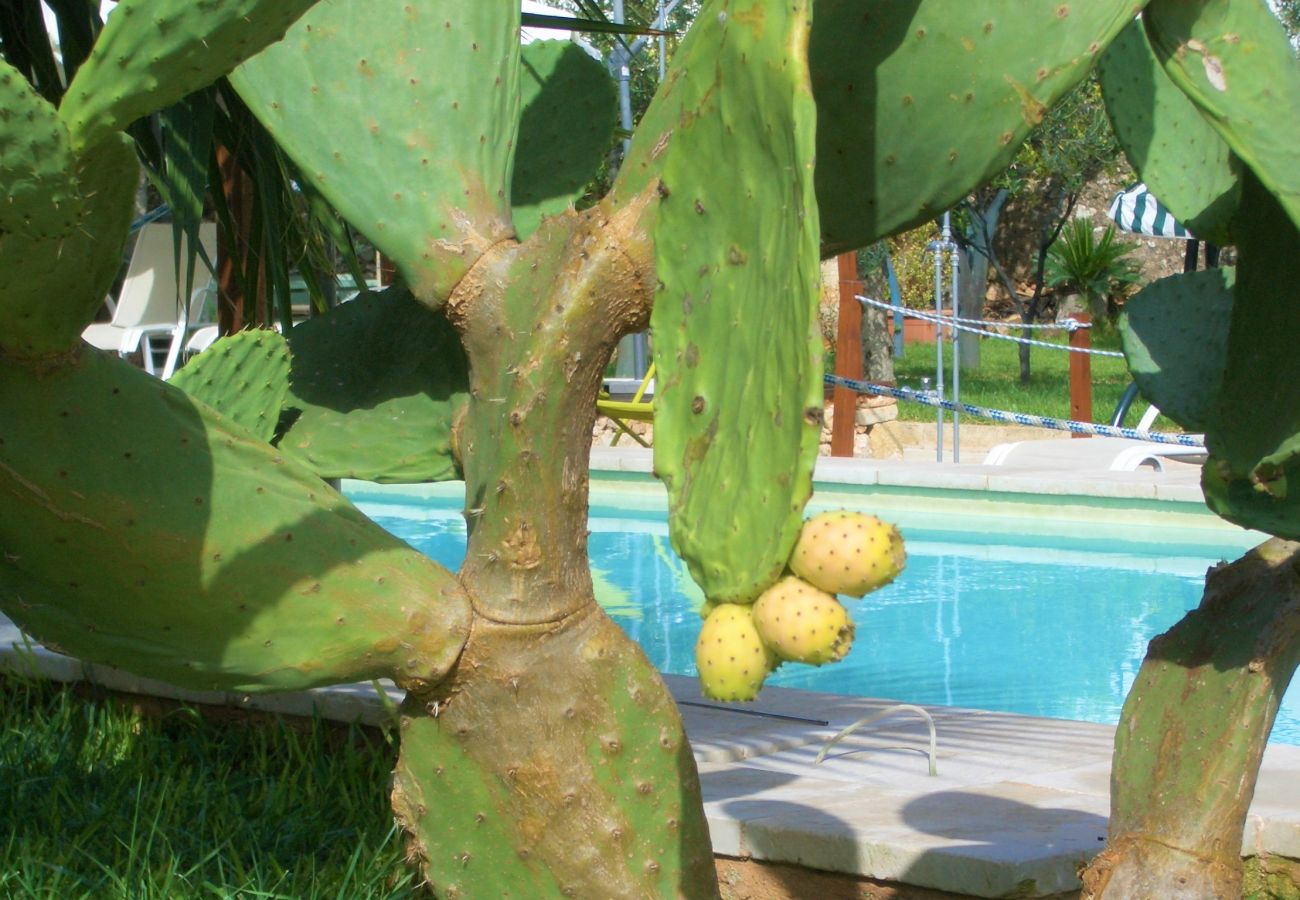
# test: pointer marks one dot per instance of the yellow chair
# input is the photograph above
(637, 409)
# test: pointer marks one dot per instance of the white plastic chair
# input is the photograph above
(148, 306)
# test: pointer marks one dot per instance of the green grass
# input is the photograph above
(996, 383)
(98, 801)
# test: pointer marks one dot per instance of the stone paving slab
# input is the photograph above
(1017, 804)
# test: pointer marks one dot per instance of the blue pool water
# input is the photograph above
(1043, 625)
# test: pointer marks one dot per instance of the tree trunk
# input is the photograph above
(554, 735)
(1193, 731)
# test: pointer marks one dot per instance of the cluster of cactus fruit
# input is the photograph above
(798, 619)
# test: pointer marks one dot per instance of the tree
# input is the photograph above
(1071, 147)
(540, 753)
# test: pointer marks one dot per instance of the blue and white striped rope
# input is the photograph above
(955, 323)
(1062, 325)
(1001, 415)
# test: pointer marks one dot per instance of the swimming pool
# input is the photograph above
(1043, 617)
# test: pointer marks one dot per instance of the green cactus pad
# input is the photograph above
(244, 376)
(378, 382)
(1257, 424)
(51, 287)
(141, 530)
(738, 408)
(920, 102)
(564, 132)
(153, 52)
(1178, 153)
(554, 765)
(1175, 334)
(38, 194)
(404, 116)
(1242, 503)
(1233, 61)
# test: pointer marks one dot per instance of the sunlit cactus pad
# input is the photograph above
(244, 376)
(154, 52)
(917, 102)
(1183, 160)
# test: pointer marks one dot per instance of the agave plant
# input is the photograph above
(541, 754)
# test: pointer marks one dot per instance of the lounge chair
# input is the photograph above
(1111, 454)
(637, 409)
(149, 307)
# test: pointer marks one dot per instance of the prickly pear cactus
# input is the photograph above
(438, 119)
(753, 293)
(1180, 155)
(184, 548)
(802, 623)
(846, 552)
(153, 52)
(377, 387)
(569, 110)
(730, 654)
(42, 199)
(244, 376)
(1175, 335)
(1254, 437)
(45, 303)
(1233, 61)
(917, 102)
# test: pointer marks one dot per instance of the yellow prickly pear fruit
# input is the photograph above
(843, 552)
(730, 655)
(802, 623)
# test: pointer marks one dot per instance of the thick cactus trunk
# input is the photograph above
(552, 762)
(1193, 731)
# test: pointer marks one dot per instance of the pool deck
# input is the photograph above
(1018, 803)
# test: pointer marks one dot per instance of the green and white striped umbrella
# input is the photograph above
(1136, 209)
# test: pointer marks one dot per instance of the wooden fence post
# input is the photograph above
(848, 356)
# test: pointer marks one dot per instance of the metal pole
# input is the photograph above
(952, 248)
(621, 60)
(936, 247)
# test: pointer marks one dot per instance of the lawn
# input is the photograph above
(97, 800)
(996, 382)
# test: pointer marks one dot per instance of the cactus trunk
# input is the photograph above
(552, 762)
(1193, 731)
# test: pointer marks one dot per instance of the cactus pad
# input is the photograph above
(1233, 61)
(404, 116)
(38, 194)
(564, 132)
(140, 530)
(151, 53)
(738, 407)
(379, 382)
(1175, 334)
(51, 287)
(920, 102)
(1255, 435)
(1178, 153)
(244, 376)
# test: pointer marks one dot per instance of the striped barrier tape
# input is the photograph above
(1014, 418)
(955, 323)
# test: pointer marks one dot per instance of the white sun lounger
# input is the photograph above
(148, 306)
(1106, 453)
